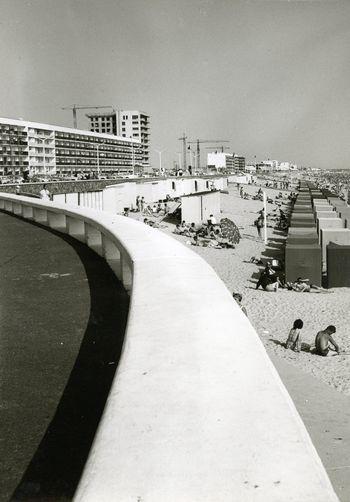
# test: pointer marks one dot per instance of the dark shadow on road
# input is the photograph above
(56, 467)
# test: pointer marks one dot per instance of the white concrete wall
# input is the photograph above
(117, 197)
(243, 180)
(211, 205)
(193, 414)
(191, 209)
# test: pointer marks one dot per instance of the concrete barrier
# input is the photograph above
(194, 414)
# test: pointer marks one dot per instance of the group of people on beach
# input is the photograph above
(324, 342)
(270, 281)
(155, 209)
(204, 235)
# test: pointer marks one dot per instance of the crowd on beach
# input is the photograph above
(208, 234)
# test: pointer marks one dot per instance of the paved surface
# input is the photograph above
(326, 415)
(60, 339)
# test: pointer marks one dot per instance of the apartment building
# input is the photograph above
(219, 161)
(124, 123)
(223, 160)
(43, 149)
(239, 163)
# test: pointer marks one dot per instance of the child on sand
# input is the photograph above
(293, 341)
(323, 339)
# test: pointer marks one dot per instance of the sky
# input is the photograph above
(270, 77)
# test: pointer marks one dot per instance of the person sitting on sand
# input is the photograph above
(148, 210)
(238, 298)
(192, 229)
(222, 241)
(293, 341)
(212, 220)
(177, 230)
(268, 279)
(323, 339)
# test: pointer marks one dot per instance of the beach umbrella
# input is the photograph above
(230, 230)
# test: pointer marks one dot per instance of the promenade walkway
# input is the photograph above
(60, 342)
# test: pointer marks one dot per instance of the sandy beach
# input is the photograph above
(272, 314)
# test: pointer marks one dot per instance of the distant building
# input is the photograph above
(284, 166)
(273, 164)
(239, 163)
(251, 168)
(42, 149)
(220, 160)
(127, 124)
(262, 167)
(223, 160)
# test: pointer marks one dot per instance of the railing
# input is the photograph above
(196, 411)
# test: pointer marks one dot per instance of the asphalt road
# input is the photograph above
(62, 320)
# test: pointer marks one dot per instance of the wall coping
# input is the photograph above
(196, 411)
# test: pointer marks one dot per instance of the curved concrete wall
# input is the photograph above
(196, 412)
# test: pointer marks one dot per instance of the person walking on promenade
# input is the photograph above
(44, 193)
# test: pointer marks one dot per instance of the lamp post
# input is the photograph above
(180, 155)
(160, 159)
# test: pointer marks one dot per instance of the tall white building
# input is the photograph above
(34, 148)
(127, 124)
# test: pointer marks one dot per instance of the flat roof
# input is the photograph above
(69, 130)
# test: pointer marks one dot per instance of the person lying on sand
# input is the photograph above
(293, 341)
(304, 286)
(323, 341)
(205, 243)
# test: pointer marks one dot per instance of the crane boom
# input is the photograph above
(74, 108)
(198, 141)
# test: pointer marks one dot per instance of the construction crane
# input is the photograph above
(183, 139)
(222, 148)
(199, 141)
(74, 108)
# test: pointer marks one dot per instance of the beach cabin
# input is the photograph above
(338, 265)
(197, 208)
